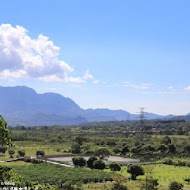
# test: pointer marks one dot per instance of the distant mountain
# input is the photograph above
(22, 105)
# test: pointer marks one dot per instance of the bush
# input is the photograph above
(175, 186)
(79, 161)
(115, 166)
(40, 153)
(91, 161)
(21, 153)
(135, 170)
(99, 164)
(118, 186)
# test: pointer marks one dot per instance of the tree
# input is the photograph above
(5, 133)
(135, 170)
(79, 161)
(40, 153)
(21, 153)
(102, 152)
(115, 166)
(11, 153)
(99, 164)
(75, 149)
(175, 186)
(91, 161)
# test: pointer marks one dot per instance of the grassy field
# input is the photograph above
(164, 173)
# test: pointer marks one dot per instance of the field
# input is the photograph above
(50, 173)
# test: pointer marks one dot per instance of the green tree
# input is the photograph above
(5, 133)
(115, 166)
(21, 153)
(91, 161)
(99, 164)
(135, 170)
(102, 152)
(79, 161)
(40, 153)
(175, 186)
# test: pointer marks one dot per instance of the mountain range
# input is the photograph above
(22, 105)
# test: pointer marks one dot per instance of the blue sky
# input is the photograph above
(115, 54)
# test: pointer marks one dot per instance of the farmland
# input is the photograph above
(163, 154)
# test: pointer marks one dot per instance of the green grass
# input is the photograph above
(53, 173)
(164, 173)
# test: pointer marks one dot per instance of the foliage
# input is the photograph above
(75, 149)
(79, 161)
(166, 140)
(102, 152)
(118, 186)
(115, 166)
(175, 186)
(21, 153)
(40, 153)
(135, 170)
(5, 133)
(99, 164)
(91, 161)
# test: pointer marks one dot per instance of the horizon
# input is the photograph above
(115, 55)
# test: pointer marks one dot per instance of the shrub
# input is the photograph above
(91, 161)
(40, 153)
(115, 166)
(135, 170)
(79, 161)
(99, 164)
(175, 186)
(21, 153)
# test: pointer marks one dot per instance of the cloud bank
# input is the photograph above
(24, 57)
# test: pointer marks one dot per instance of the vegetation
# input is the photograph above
(163, 149)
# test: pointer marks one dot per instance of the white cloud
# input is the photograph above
(24, 57)
(96, 81)
(171, 87)
(187, 88)
(143, 86)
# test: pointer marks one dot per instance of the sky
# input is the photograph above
(121, 54)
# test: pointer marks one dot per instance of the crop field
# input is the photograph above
(50, 173)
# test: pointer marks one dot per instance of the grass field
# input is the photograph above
(164, 173)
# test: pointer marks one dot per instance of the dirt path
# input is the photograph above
(56, 163)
